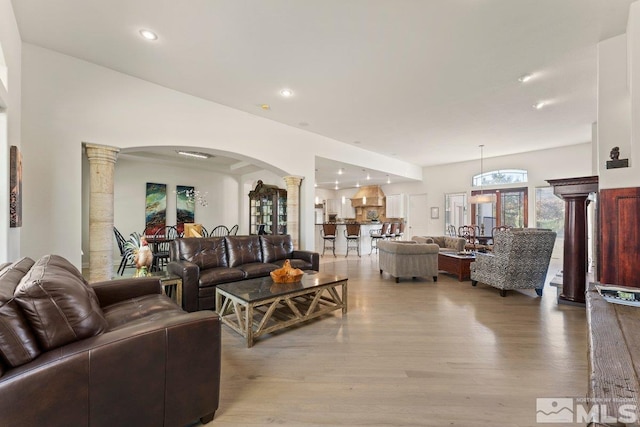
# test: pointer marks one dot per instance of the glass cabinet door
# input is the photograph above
(268, 210)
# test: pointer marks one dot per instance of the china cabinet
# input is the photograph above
(267, 210)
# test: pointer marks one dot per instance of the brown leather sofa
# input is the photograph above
(206, 262)
(112, 353)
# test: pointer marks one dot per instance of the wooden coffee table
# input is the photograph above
(257, 307)
(456, 264)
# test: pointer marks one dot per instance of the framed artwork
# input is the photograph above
(435, 213)
(15, 186)
(155, 208)
(185, 206)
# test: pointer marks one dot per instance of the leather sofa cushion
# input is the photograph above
(59, 306)
(243, 250)
(18, 344)
(278, 247)
(295, 263)
(129, 312)
(209, 252)
(257, 269)
(216, 276)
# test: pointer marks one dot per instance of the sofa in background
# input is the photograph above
(112, 353)
(408, 259)
(203, 263)
(519, 260)
(445, 243)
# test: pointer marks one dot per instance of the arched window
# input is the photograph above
(500, 177)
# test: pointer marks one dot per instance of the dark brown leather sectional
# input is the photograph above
(204, 263)
(107, 354)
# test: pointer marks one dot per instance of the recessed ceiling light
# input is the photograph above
(340, 171)
(265, 107)
(286, 93)
(194, 154)
(148, 35)
(525, 78)
(539, 105)
(356, 142)
(303, 124)
(388, 180)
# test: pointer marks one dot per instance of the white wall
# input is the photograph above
(67, 101)
(614, 111)
(10, 115)
(131, 177)
(619, 104)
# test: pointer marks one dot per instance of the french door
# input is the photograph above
(511, 209)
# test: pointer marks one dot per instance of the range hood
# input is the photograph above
(369, 196)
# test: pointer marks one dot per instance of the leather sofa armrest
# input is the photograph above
(113, 291)
(309, 256)
(190, 274)
(143, 370)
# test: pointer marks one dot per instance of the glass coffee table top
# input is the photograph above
(253, 290)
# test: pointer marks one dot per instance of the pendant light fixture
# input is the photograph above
(482, 198)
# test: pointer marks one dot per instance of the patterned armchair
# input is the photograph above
(520, 260)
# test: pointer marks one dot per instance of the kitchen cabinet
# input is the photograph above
(396, 205)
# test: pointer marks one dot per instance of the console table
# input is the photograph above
(614, 355)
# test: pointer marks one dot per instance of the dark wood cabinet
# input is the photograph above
(267, 210)
(619, 236)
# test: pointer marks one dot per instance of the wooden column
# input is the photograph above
(293, 208)
(574, 191)
(102, 160)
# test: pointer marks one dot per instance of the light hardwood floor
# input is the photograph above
(416, 353)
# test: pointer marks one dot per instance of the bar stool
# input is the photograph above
(352, 233)
(393, 231)
(377, 234)
(400, 232)
(329, 235)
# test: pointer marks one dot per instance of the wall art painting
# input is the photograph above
(15, 187)
(155, 208)
(185, 206)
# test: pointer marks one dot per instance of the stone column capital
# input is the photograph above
(101, 153)
(293, 180)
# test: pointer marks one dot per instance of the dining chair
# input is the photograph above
(219, 231)
(468, 232)
(127, 256)
(233, 230)
(160, 246)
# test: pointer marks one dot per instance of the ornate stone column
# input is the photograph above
(102, 160)
(293, 207)
(574, 192)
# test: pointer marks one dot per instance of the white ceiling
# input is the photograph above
(425, 81)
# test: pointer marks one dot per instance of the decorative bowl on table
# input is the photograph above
(287, 274)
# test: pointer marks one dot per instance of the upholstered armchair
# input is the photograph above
(520, 260)
(408, 259)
